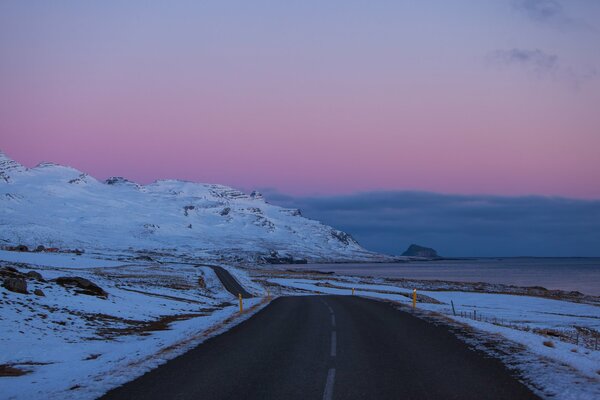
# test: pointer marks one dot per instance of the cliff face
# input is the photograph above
(414, 250)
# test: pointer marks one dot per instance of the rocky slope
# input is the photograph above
(58, 206)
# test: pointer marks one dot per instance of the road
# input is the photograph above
(329, 347)
(230, 283)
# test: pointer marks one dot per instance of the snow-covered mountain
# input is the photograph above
(58, 206)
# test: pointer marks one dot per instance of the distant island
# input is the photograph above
(414, 250)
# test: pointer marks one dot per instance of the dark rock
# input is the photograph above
(35, 275)
(275, 258)
(40, 248)
(39, 292)
(414, 250)
(17, 285)
(10, 272)
(144, 258)
(20, 247)
(188, 208)
(225, 211)
(343, 237)
(83, 285)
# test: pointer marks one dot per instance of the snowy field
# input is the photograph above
(68, 343)
(73, 345)
(543, 331)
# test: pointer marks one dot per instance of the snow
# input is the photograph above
(565, 371)
(57, 260)
(58, 206)
(80, 346)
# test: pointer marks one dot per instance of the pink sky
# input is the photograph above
(305, 104)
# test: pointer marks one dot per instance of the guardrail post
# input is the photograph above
(241, 304)
(414, 298)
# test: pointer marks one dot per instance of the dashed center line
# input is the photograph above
(328, 393)
(333, 343)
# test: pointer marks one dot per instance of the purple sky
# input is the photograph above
(309, 97)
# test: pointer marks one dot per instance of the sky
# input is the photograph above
(313, 99)
(459, 225)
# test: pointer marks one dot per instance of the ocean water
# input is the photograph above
(581, 274)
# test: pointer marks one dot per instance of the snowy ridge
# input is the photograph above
(58, 206)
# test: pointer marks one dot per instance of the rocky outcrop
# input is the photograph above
(343, 237)
(256, 195)
(81, 285)
(414, 250)
(7, 167)
(275, 258)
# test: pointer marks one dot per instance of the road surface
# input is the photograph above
(329, 347)
(230, 283)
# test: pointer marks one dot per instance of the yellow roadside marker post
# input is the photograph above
(241, 305)
(352, 291)
(414, 298)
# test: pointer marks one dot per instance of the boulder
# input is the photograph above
(225, 211)
(34, 275)
(82, 285)
(17, 285)
(39, 292)
(414, 250)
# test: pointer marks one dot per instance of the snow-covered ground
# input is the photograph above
(73, 345)
(60, 207)
(542, 332)
(57, 260)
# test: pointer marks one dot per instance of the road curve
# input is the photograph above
(230, 283)
(329, 347)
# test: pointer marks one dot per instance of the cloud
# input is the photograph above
(545, 11)
(458, 225)
(541, 65)
(535, 60)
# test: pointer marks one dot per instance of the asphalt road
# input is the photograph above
(329, 347)
(230, 283)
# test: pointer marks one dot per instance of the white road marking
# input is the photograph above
(333, 343)
(333, 321)
(328, 393)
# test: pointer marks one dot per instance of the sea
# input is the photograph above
(570, 274)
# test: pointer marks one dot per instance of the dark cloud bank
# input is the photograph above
(458, 225)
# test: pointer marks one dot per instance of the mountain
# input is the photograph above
(414, 250)
(58, 206)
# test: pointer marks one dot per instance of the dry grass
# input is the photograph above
(9, 370)
(548, 343)
(143, 328)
